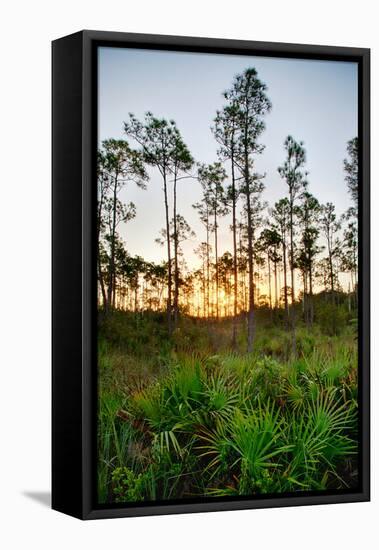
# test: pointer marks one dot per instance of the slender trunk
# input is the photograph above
(216, 257)
(169, 285)
(305, 299)
(242, 272)
(330, 256)
(101, 279)
(250, 318)
(112, 251)
(276, 283)
(235, 269)
(292, 280)
(114, 290)
(100, 273)
(176, 269)
(208, 265)
(245, 294)
(136, 295)
(285, 277)
(204, 290)
(124, 296)
(269, 283)
(311, 308)
(292, 258)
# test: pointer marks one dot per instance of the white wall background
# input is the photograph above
(26, 31)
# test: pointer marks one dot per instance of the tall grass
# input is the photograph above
(179, 424)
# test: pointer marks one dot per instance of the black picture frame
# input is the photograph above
(74, 134)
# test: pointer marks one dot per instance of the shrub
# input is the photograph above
(128, 486)
(331, 318)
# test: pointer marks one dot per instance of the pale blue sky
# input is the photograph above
(314, 101)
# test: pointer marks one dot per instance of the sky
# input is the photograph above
(314, 101)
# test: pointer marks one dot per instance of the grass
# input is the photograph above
(178, 423)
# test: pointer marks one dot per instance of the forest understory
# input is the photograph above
(189, 417)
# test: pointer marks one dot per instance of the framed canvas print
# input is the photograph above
(210, 274)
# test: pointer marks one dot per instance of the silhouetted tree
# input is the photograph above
(182, 162)
(158, 139)
(330, 226)
(180, 231)
(294, 175)
(349, 259)
(204, 210)
(270, 242)
(281, 216)
(248, 96)
(118, 164)
(225, 130)
(308, 213)
(351, 170)
(211, 177)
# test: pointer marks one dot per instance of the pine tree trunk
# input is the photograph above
(169, 283)
(208, 266)
(276, 283)
(269, 283)
(292, 281)
(112, 252)
(216, 259)
(285, 279)
(235, 269)
(311, 307)
(176, 269)
(250, 317)
(101, 280)
(331, 268)
(100, 273)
